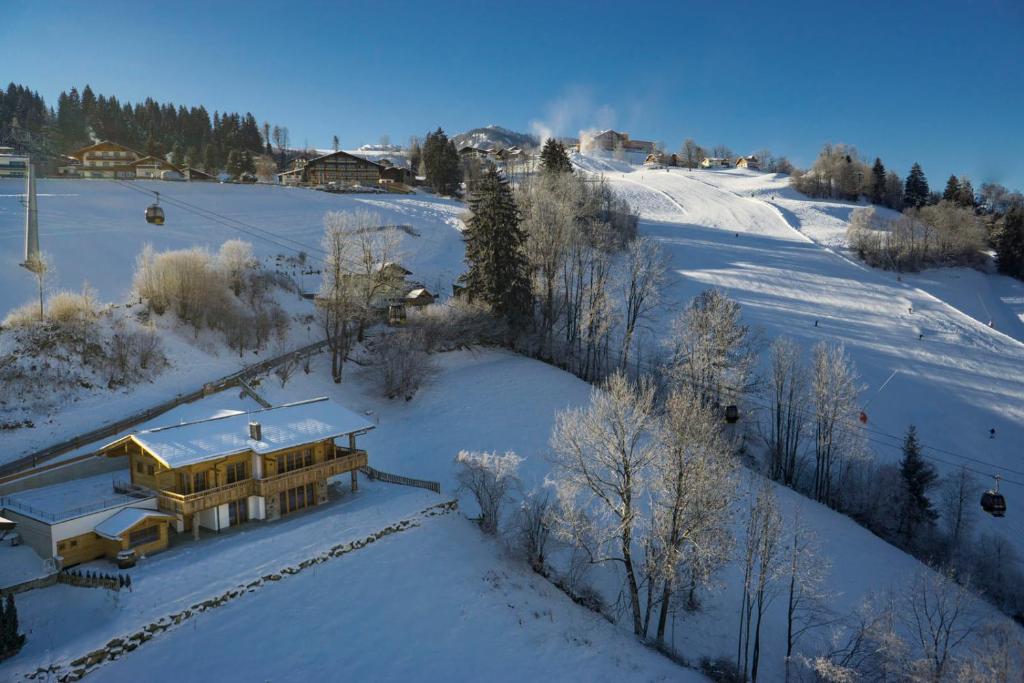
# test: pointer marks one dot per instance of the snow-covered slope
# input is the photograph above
(775, 252)
(94, 229)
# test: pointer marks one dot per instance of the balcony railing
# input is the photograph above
(190, 503)
(187, 504)
(345, 461)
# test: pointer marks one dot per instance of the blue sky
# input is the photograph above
(938, 82)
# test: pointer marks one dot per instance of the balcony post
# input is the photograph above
(195, 526)
(355, 480)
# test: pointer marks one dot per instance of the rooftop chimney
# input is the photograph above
(255, 431)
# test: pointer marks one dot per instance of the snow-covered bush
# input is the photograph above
(490, 478)
(944, 234)
(456, 324)
(400, 363)
(533, 527)
(23, 316)
(72, 307)
(197, 287)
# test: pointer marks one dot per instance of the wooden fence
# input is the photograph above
(389, 478)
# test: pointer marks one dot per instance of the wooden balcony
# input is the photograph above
(186, 504)
(346, 460)
(189, 503)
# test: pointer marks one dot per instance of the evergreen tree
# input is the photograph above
(554, 158)
(177, 155)
(965, 193)
(495, 252)
(235, 166)
(878, 182)
(918, 478)
(1008, 240)
(415, 156)
(10, 639)
(952, 190)
(915, 190)
(210, 164)
(441, 162)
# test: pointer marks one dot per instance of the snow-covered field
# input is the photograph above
(439, 587)
(94, 229)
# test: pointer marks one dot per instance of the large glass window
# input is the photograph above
(236, 472)
(145, 535)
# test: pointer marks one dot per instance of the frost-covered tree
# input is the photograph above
(643, 278)
(601, 461)
(712, 350)
(805, 572)
(763, 568)
(490, 478)
(692, 487)
(236, 260)
(959, 496)
(788, 387)
(336, 303)
(400, 364)
(834, 391)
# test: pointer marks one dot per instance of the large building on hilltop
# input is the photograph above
(611, 141)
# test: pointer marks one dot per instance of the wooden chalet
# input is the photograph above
(419, 297)
(337, 168)
(714, 162)
(750, 162)
(224, 471)
(106, 159)
(154, 168)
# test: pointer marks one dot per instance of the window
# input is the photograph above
(150, 470)
(238, 511)
(138, 466)
(236, 472)
(199, 482)
(145, 535)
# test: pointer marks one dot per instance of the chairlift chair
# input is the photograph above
(155, 212)
(993, 502)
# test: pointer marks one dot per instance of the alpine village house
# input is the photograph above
(210, 474)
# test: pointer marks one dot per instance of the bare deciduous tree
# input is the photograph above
(788, 407)
(958, 499)
(401, 364)
(490, 478)
(806, 570)
(236, 260)
(335, 303)
(643, 280)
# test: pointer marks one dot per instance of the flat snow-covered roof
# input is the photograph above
(123, 520)
(59, 502)
(286, 426)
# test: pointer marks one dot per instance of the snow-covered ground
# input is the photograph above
(737, 230)
(778, 254)
(94, 229)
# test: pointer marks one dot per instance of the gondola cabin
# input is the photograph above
(732, 414)
(155, 214)
(993, 503)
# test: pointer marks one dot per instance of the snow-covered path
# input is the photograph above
(750, 235)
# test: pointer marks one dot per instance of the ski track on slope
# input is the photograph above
(961, 379)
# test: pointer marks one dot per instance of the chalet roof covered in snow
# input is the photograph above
(123, 520)
(69, 499)
(286, 426)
